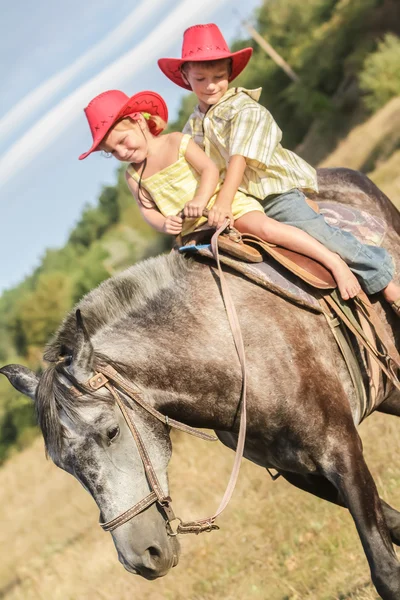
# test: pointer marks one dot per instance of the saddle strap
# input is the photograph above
(340, 334)
(368, 310)
(386, 359)
(373, 370)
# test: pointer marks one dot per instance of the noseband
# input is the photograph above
(106, 376)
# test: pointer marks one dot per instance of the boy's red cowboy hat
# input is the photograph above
(109, 107)
(203, 43)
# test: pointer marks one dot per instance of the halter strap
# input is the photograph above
(107, 374)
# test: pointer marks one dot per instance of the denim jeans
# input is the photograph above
(372, 265)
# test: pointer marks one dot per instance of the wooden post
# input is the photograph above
(277, 58)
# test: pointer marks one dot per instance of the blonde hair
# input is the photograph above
(127, 122)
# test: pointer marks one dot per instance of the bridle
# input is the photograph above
(106, 376)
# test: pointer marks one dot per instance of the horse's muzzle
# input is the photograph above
(155, 562)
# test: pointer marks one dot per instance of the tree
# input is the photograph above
(41, 311)
(380, 77)
(108, 204)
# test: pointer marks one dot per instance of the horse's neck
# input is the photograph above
(193, 374)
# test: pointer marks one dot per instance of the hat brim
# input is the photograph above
(171, 67)
(149, 102)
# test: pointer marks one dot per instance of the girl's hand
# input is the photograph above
(194, 208)
(218, 213)
(172, 225)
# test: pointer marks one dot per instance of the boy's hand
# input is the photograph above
(172, 225)
(194, 208)
(218, 213)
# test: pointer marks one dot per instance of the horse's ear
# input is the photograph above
(23, 379)
(82, 358)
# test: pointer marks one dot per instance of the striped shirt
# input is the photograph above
(238, 124)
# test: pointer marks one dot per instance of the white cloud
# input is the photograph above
(58, 119)
(43, 93)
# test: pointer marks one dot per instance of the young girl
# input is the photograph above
(170, 173)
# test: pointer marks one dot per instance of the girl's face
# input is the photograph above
(127, 142)
(208, 83)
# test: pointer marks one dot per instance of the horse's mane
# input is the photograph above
(123, 294)
(129, 292)
(53, 395)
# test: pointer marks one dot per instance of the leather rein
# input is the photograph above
(106, 376)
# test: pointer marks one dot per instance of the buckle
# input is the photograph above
(173, 530)
(97, 381)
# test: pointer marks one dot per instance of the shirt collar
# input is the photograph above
(253, 94)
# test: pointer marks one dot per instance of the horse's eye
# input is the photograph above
(112, 434)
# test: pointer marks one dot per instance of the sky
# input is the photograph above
(56, 56)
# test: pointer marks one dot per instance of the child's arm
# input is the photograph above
(223, 205)
(209, 177)
(253, 138)
(171, 225)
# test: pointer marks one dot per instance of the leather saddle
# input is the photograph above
(250, 248)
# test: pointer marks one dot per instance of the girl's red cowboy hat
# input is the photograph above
(109, 107)
(203, 43)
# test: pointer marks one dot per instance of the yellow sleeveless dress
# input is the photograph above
(177, 184)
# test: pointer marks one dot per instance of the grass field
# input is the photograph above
(275, 542)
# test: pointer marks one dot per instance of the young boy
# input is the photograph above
(243, 140)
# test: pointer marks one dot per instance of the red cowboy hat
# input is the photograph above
(109, 107)
(203, 43)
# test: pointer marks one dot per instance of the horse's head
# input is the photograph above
(86, 435)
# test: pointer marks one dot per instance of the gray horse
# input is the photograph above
(162, 325)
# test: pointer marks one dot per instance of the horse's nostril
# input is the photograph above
(154, 554)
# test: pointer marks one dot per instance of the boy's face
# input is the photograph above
(209, 83)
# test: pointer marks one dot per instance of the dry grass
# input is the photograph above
(373, 148)
(364, 141)
(276, 543)
(387, 176)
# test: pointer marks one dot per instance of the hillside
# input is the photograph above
(275, 542)
(372, 147)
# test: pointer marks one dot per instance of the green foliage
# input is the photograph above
(325, 42)
(91, 271)
(17, 420)
(380, 77)
(17, 428)
(92, 225)
(108, 204)
(186, 109)
(41, 311)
